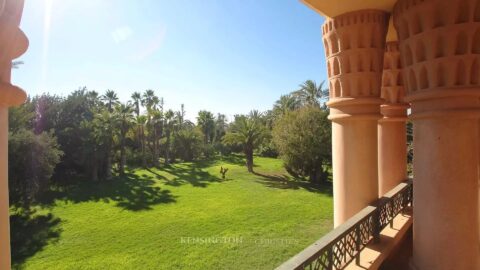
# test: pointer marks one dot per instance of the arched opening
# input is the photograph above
(420, 52)
(476, 13)
(462, 12)
(412, 81)
(423, 78)
(474, 73)
(440, 47)
(461, 77)
(325, 45)
(439, 18)
(476, 42)
(329, 70)
(440, 76)
(334, 43)
(338, 89)
(336, 66)
(462, 44)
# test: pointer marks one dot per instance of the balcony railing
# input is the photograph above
(341, 246)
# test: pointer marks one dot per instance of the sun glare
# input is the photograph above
(46, 37)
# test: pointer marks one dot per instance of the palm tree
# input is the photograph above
(285, 104)
(220, 127)
(206, 122)
(103, 131)
(310, 94)
(111, 99)
(169, 127)
(124, 118)
(151, 101)
(155, 121)
(180, 115)
(147, 98)
(188, 141)
(137, 99)
(247, 131)
(141, 121)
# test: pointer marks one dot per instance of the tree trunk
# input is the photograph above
(95, 167)
(155, 146)
(314, 177)
(249, 158)
(167, 149)
(123, 156)
(142, 134)
(108, 166)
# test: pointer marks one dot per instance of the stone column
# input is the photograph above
(440, 48)
(354, 45)
(392, 138)
(13, 43)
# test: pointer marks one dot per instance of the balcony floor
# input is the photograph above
(401, 256)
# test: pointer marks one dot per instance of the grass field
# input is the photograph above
(179, 217)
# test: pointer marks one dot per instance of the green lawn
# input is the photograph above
(180, 217)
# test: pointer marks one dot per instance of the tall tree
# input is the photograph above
(220, 127)
(310, 94)
(31, 160)
(247, 131)
(123, 115)
(169, 127)
(141, 121)
(151, 102)
(103, 132)
(155, 124)
(188, 142)
(137, 99)
(285, 104)
(110, 98)
(303, 138)
(206, 122)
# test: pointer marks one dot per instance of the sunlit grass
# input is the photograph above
(160, 219)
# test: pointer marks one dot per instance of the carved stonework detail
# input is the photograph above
(392, 83)
(354, 45)
(440, 43)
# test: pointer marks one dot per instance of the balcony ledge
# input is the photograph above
(374, 254)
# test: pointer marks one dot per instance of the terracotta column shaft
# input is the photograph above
(440, 47)
(392, 137)
(13, 43)
(354, 45)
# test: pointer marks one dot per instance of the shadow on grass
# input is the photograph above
(130, 192)
(231, 159)
(192, 174)
(286, 182)
(30, 233)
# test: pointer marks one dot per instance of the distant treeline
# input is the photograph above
(85, 136)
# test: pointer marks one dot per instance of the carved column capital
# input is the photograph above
(13, 43)
(440, 48)
(393, 91)
(354, 46)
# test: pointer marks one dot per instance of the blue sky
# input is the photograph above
(227, 56)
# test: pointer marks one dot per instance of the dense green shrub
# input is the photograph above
(303, 138)
(32, 160)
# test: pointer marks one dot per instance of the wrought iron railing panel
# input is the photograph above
(342, 245)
